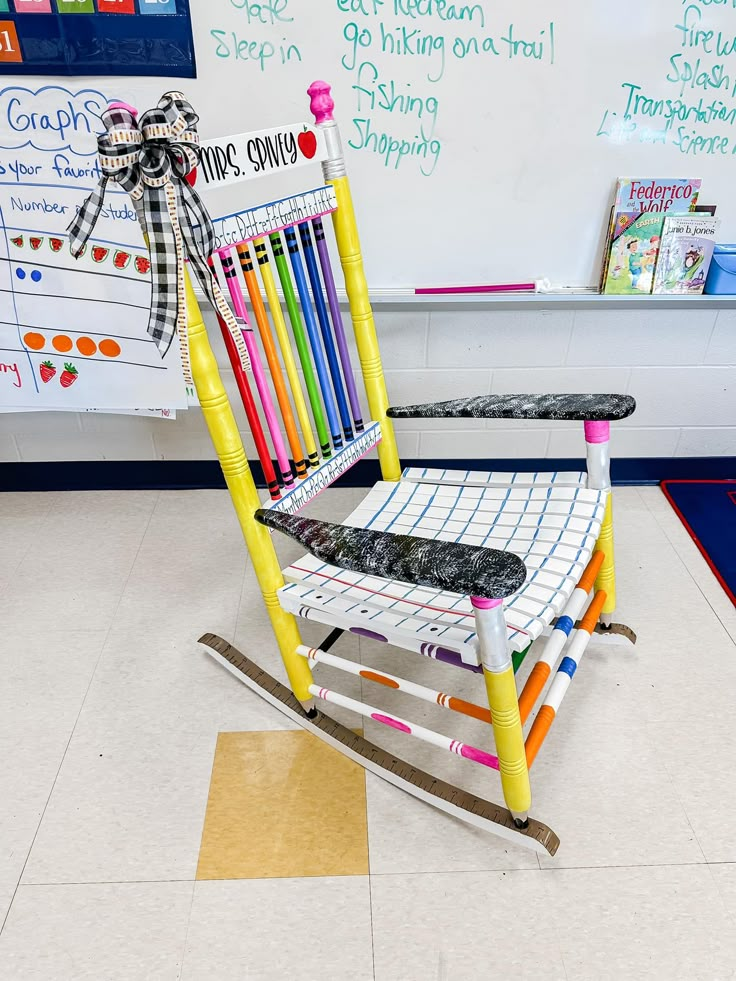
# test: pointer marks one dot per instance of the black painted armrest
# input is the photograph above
(467, 569)
(594, 408)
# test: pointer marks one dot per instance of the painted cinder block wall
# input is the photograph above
(679, 364)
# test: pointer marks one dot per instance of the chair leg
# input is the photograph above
(606, 579)
(498, 672)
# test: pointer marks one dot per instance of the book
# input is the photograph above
(633, 252)
(673, 195)
(705, 209)
(685, 253)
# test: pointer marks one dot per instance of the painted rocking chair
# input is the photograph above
(468, 568)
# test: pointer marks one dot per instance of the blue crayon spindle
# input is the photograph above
(314, 340)
(324, 326)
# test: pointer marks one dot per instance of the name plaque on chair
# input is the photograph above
(231, 159)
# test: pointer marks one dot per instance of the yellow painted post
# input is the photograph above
(606, 579)
(351, 259)
(226, 439)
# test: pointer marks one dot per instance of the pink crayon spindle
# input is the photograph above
(258, 372)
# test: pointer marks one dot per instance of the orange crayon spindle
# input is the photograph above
(264, 329)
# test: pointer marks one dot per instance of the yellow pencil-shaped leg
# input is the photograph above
(606, 579)
(223, 430)
(498, 672)
(597, 436)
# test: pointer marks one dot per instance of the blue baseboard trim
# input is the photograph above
(205, 474)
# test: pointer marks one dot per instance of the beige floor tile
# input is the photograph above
(44, 679)
(128, 804)
(282, 805)
(115, 932)
(271, 930)
(700, 762)
(725, 879)
(461, 926)
(652, 924)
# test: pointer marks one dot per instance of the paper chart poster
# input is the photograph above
(96, 37)
(72, 331)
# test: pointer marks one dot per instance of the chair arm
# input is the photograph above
(468, 569)
(587, 408)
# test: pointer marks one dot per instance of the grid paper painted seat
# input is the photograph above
(551, 521)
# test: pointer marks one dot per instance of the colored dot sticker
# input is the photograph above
(111, 349)
(36, 276)
(86, 346)
(20, 273)
(62, 343)
(35, 342)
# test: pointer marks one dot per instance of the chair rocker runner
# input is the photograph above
(468, 568)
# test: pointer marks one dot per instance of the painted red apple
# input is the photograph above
(307, 143)
(142, 264)
(99, 253)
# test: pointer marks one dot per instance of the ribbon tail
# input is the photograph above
(82, 224)
(181, 292)
(162, 321)
(198, 262)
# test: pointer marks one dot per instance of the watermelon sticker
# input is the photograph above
(35, 242)
(142, 264)
(56, 244)
(99, 253)
(121, 259)
(18, 240)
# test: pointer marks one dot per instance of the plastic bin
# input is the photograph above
(722, 272)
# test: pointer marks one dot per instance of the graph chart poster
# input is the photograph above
(96, 37)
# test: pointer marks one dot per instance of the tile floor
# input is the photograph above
(110, 715)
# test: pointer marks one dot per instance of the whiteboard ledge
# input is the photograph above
(397, 299)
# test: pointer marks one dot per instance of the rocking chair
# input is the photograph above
(466, 567)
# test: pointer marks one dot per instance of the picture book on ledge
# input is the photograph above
(644, 195)
(685, 253)
(632, 255)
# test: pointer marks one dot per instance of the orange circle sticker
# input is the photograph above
(111, 349)
(86, 346)
(62, 343)
(34, 341)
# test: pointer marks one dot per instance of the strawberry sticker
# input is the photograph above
(68, 375)
(307, 143)
(121, 259)
(47, 371)
(18, 240)
(99, 253)
(56, 244)
(142, 264)
(35, 242)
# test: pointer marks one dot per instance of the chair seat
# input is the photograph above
(550, 520)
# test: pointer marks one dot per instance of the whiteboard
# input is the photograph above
(515, 118)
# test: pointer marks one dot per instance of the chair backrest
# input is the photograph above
(276, 265)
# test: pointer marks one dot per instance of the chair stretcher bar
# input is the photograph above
(411, 728)
(398, 684)
(558, 638)
(558, 688)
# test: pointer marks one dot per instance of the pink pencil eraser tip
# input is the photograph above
(483, 603)
(123, 105)
(321, 102)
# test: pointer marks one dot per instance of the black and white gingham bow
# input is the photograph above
(149, 158)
